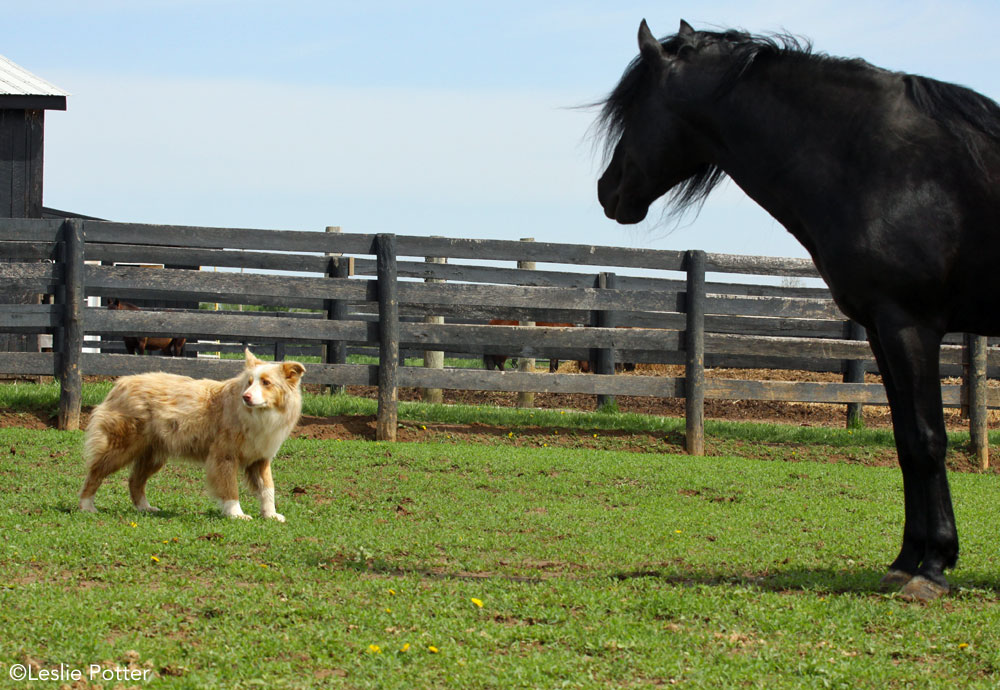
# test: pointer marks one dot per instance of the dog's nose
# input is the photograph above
(247, 398)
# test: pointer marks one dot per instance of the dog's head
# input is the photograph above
(270, 384)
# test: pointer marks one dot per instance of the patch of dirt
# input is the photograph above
(802, 414)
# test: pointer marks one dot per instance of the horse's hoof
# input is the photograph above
(894, 579)
(920, 588)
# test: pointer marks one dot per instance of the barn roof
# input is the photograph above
(22, 90)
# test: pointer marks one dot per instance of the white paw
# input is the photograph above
(276, 516)
(87, 505)
(147, 508)
(241, 516)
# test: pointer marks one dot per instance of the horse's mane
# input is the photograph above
(963, 113)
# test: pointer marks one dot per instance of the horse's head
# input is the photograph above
(652, 119)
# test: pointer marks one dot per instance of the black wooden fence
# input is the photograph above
(364, 295)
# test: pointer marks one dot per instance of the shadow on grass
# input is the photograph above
(788, 581)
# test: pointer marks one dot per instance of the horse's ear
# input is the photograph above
(649, 48)
(686, 30)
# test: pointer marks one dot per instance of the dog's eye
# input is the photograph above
(265, 382)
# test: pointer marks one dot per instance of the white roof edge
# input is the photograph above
(17, 81)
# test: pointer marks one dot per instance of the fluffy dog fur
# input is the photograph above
(232, 425)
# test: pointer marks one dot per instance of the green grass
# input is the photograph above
(595, 569)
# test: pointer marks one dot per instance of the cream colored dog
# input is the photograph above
(231, 425)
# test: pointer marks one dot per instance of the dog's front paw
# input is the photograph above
(276, 516)
(241, 516)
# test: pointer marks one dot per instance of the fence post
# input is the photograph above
(604, 358)
(975, 385)
(526, 364)
(71, 351)
(388, 338)
(434, 359)
(855, 373)
(694, 342)
(335, 351)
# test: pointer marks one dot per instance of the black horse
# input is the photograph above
(891, 182)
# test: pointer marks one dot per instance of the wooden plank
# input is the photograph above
(185, 256)
(603, 359)
(976, 386)
(37, 251)
(760, 265)
(30, 277)
(20, 155)
(70, 375)
(795, 391)
(536, 297)
(532, 338)
(228, 238)
(219, 369)
(515, 381)
(211, 287)
(386, 420)
(695, 306)
(8, 129)
(786, 307)
(28, 363)
(208, 325)
(30, 318)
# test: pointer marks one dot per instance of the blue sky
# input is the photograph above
(434, 118)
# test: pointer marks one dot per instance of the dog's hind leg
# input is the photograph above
(261, 483)
(223, 479)
(104, 458)
(144, 467)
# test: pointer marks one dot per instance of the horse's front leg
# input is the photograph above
(908, 357)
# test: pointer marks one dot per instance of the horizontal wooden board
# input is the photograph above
(41, 277)
(27, 363)
(211, 287)
(30, 318)
(29, 251)
(30, 229)
(193, 257)
(207, 325)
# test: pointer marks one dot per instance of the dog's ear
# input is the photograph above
(293, 372)
(251, 360)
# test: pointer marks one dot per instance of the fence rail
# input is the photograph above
(644, 306)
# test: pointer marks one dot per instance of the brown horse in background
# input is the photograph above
(171, 347)
(494, 361)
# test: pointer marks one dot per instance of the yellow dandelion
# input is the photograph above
(392, 592)
(388, 610)
(405, 647)
(424, 427)
(166, 541)
(432, 649)
(963, 645)
(263, 565)
(677, 531)
(595, 435)
(132, 524)
(374, 649)
(510, 434)
(477, 602)
(154, 559)
(545, 445)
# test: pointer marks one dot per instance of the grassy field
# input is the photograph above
(436, 565)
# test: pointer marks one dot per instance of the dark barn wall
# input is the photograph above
(21, 157)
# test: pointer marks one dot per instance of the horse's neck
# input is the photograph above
(787, 135)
